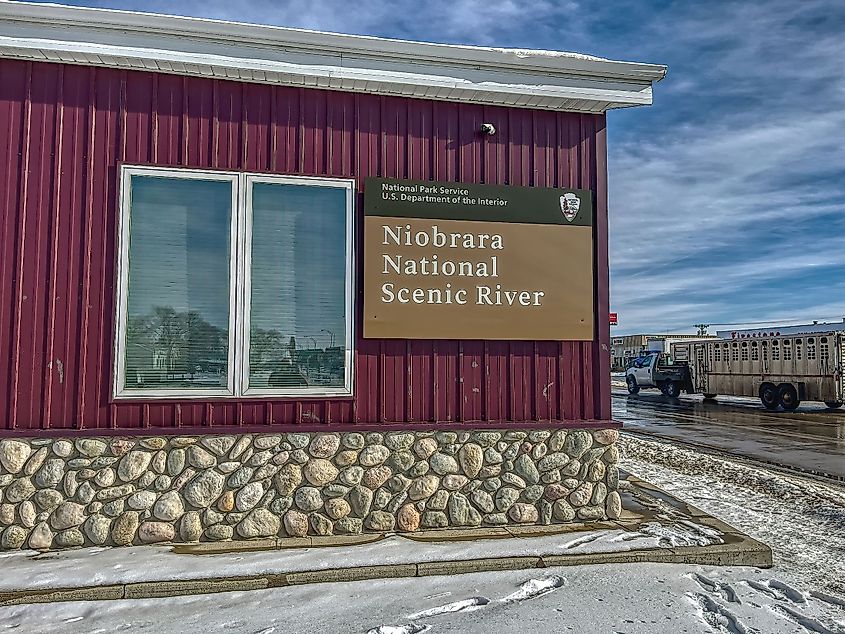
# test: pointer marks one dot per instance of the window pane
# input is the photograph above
(177, 335)
(298, 308)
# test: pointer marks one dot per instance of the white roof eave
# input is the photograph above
(282, 56)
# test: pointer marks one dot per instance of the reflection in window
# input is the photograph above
(177, 327)
(297, 312)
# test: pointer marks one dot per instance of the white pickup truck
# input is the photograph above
(655, 369)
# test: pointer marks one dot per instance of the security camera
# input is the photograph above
(488, 128)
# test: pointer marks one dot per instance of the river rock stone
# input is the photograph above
(71, 538)
(471, 457)
(581, 495)
(90, 447)
(483, 500)
(240, 477)
(226, 502)
(552, 461)
(408, 518)
(259, 523)
(124, 528)
(349, 526)
(41, 537)
(562, 511)
(199, 458)
(514, 480)
(438, 501)
(218, 445)
(14, 454)
(308, 499)
(522, 513)
(606, 436)
(531, 493)
(20, 490)
(219, 532)
(434, 519)
(346, 458)
(204, 489)
(458, 508)
(338, 508)
(590, 513)
(375, 477)
(27, 513)
(296, 524)
(239, 447)
(50, 474)
(13, 537)
(267, 441)
(556, 491)
(352, 440)
(599, 494)
(154, 532)
(577, 442)
(132, 465)
(506, 497)
(613, 505)
(96, 528)
(169, 507)
(360, 499)
(443, 464)
(324, 445)
(67, 515)
(319, 472)
(249, 496)
(351, 476)
(35, 461)
(287, 479)
(612, 477)
(373, 455)
(105, 477)
(423, 487)
(190, 527)
(419, 469)
(380, 521)
(425, 448)
(455, 482)
(526, 469)
(595, 471)
(7, 514)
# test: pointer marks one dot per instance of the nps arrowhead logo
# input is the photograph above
(569, 206)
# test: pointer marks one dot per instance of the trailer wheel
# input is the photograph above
(788, 397)
(769, 396)
(833, 404)
(633, 388)
(671, 389)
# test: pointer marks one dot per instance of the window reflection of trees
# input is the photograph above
(175, 348)
(277, 361)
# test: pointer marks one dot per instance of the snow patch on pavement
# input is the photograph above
(534, 588)
(411, 628)
(467, 605)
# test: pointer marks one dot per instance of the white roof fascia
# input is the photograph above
(293, 57)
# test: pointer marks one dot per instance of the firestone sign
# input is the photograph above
(467, 261)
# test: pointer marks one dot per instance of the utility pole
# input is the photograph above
(702, 329)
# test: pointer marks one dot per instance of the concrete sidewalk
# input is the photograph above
(654, 527)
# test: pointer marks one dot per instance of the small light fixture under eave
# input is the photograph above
(488, 129)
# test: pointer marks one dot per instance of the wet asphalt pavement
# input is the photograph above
(810, 439)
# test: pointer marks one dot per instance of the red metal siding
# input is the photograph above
(64, 130)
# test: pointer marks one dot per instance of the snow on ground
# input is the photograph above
(801, 519)
(631, 599)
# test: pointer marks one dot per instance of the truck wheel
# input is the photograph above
(633, 388)
(788, 397)
(769, 396)
(671, 389)
(833, 404)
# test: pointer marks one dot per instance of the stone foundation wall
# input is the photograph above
(58, 493)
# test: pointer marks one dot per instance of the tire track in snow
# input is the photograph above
(807, 622)
(410, 628)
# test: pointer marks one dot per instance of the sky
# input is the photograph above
(727, 196)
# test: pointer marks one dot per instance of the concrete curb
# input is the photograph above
(738, 549)
(744, 552)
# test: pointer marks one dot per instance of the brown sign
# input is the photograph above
(458, 261)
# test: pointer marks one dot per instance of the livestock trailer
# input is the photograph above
(780, 370)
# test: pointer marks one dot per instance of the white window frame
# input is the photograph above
(240, 253)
